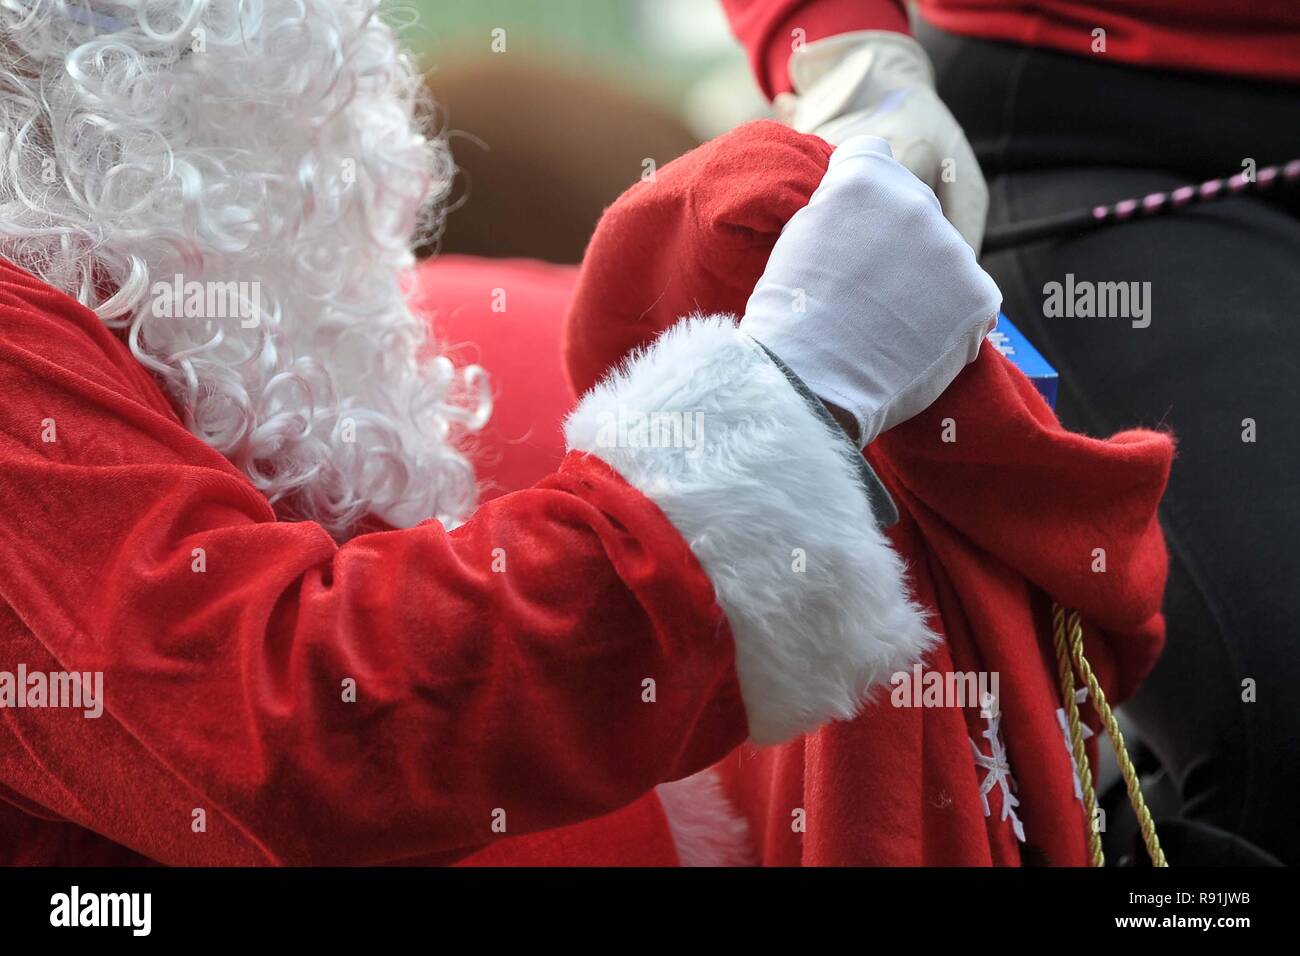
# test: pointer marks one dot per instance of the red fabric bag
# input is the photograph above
(1003, 511)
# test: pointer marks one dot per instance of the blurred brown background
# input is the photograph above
(543, 151)
(554, 108)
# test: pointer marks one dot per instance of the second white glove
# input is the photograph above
(880, 83)
(870, 296)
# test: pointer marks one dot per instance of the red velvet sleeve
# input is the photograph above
(273, 697)
(766, 29)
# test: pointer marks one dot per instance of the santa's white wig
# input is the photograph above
(270, 143)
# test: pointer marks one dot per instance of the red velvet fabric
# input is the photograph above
(994, 525)
(475, 690)
(507, 315)
(692, 240)
(1259, 39)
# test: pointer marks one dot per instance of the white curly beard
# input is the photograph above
(266, 142)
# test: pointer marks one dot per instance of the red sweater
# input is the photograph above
(1253, 38)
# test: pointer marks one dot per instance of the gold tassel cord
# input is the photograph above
(1071, 661)
(1082, 768)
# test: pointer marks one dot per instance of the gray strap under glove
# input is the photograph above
(883, 508)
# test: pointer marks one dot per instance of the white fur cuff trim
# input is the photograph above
(707, 830)
(767, 497)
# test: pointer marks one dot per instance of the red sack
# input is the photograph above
(1003, 511)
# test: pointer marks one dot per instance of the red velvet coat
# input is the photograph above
(223, 687)
(1005, 515)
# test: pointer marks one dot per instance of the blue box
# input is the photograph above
(1011, 342)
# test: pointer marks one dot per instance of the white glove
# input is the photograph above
(880, 83)
(870, 296)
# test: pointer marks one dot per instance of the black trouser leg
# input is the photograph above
(1056, 133)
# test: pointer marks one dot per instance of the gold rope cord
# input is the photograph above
(1070, 661)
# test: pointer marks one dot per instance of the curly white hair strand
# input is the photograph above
(270, 143)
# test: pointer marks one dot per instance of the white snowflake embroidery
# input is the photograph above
(999, 771)
(1080, 696)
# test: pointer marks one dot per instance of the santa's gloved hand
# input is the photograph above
(870, 296)
(881, 83)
